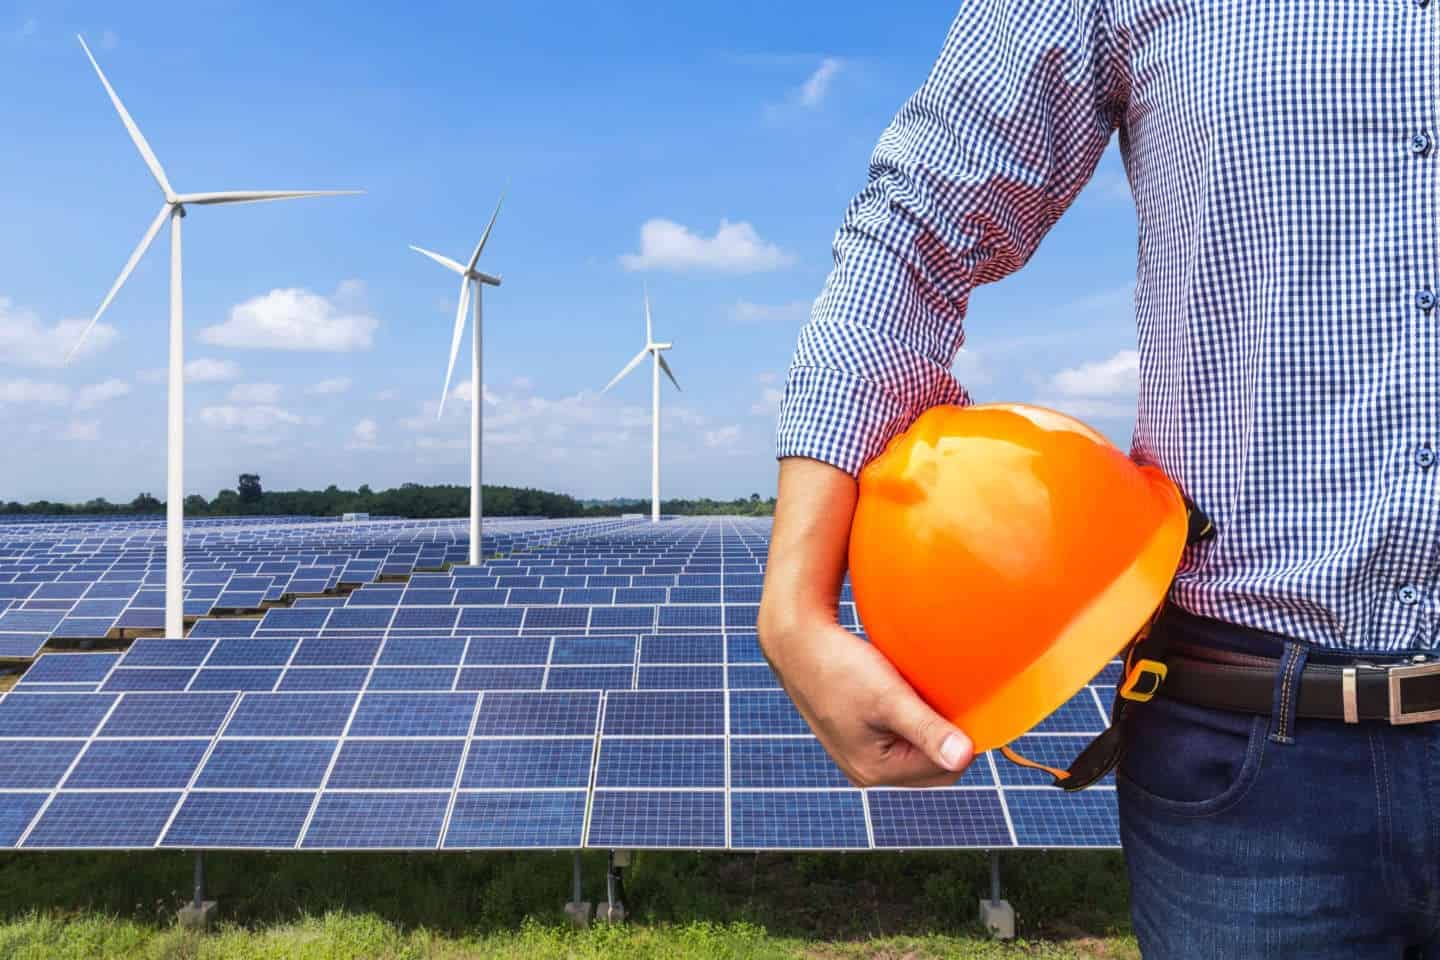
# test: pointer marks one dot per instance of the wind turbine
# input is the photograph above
(173, 209)
(654, 350)
(469, 276)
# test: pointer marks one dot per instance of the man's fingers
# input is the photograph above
(941, 742)
(910, 768)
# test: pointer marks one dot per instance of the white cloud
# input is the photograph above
(723, 438)
(263, 394)
(813, 90)
(735, 248)
(204, 370)
(30, 393)
(970, 368)
(364, 436)
(85, 430)
(385, 396)
(1116, 377)
(26, 342)
(769, 403)
(331, 386)
(99, 394)
(1090, 408)
(294, 319)
(463, 392)
(1105, 389)
(797, 311)
(251, 419)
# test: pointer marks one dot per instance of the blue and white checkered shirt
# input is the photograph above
(1283, 161)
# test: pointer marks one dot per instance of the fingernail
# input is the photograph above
(954, 751)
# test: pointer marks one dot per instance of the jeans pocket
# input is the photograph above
(1189, 761)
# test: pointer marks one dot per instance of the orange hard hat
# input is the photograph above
(1002, 554)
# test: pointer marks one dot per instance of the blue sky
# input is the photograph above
(707, 154)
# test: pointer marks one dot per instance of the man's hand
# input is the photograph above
(863, 712)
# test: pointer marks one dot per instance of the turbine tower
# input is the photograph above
(173, 209)
(469, 276)
(654, 350)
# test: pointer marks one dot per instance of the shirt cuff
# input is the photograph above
(837, 418)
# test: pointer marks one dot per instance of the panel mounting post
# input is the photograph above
(199, 912)
(577, 910)
(997, 915)
(613, 910)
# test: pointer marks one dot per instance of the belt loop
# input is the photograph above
(1287, 692)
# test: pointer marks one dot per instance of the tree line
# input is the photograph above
(409, 500)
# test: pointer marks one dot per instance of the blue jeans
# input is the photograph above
(1245, 838)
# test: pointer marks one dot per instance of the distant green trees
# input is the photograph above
(411, 500)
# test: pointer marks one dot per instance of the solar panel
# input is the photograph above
(239, 819)
(267, 764)
(798, 820)
(657, 819)
(505, 820)
(603, 688)
(411, 764)
(377, 821)
(102, 819)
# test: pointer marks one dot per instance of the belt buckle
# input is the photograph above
(1396, 676)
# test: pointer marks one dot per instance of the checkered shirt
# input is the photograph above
(1283, 161)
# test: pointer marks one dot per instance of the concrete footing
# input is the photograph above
(198, 917)
(610, 913)
(998, 917)
(579, 914)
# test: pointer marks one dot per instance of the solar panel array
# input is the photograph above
(520, 704)
(79, 580)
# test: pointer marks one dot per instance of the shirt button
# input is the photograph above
(1424, 299)
(1420, 144)
(1408, 595)
(1424, 458)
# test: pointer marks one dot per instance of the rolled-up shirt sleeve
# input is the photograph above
(969, 176)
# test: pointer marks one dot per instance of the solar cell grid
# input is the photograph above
(267, 764)
(35, 765)
(528, 764)
(414, 715)
(377, 821)
(100, 820)
(815, 819)
(548, 819)
(538, 714)
(387, 764)
(237, 820)
(660, 713)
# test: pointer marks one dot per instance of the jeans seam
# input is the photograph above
(1382, 813)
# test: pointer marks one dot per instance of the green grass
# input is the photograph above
(889, 906)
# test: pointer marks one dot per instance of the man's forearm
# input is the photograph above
(808, 549)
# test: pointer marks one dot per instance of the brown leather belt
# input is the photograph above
(1400, 693)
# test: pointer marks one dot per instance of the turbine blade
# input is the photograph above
(136, 136)
(649, 333)
(444, 261)
(639, 357)
(475, 257)
(666, 367)
(259, 196)
(140, 249)
(455, 346)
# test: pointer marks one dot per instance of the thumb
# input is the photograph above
(939, 739)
